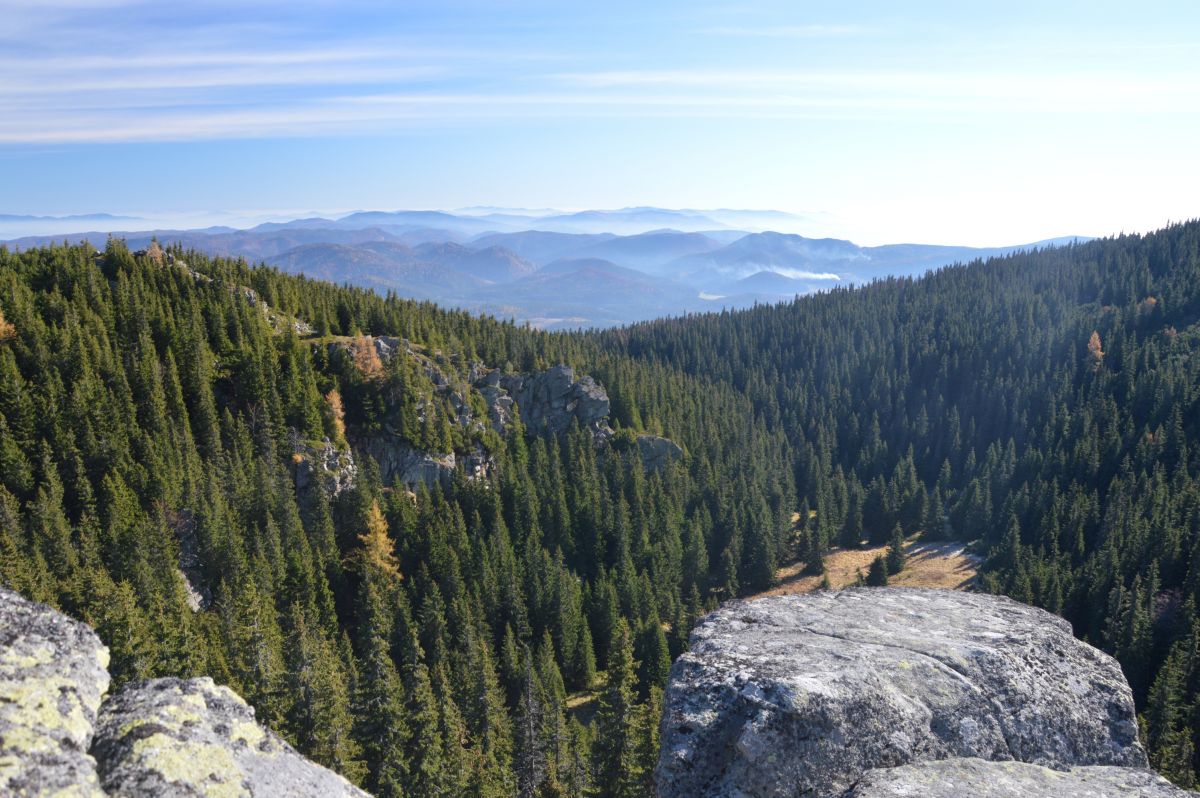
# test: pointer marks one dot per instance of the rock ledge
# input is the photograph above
(165, 737)
(801, 695)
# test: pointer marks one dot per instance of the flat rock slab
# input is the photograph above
(801, 695)
(171, 738)
(975, 778)
(53, 672)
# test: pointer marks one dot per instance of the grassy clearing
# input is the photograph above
(939, 565)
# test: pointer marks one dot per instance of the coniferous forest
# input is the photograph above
(510, 634)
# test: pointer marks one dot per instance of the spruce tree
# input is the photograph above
(896, 556)
(877, 575)
(614, 764)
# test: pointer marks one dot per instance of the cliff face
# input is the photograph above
(803, 695)
(59, 735)
(550, 400)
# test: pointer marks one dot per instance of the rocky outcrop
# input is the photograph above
(546, 401)
(191, 566)
(397, 460)
(658, 452)
(499, 403)
(976, 778)
(330, 467)
(165, 737)
(53, 672)
(174, 737)
(553, 399)
(801, 695)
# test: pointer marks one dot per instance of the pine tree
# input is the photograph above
(877, 576)
(896, 556)
(614, 753)
(530, 760)
(654, 657)
(321, 716)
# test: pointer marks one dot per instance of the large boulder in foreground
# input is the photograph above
(53, 672)
(976, 778)
(169, 738)
(801, 695)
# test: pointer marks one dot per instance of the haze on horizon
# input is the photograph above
(932, 122)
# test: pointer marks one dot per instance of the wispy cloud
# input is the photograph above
(893, 90)
(95, 77)
(787, 31)
(843, 97)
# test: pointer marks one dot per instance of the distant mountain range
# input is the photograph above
(561, 270)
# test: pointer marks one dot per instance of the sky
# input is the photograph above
(937, 122)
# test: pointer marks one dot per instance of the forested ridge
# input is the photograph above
(1043, 406)
(153, 410)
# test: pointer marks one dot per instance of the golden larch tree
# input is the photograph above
(1095, 351)
(379, 550)
(366, 358)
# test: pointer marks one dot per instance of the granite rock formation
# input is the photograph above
(553, 399)
(181, 738)
(801, 695)
(658, 452)
(53, 672)
(977, 778)
(167, 738)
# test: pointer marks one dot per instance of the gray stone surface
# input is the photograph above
(398, 460)
(657, 452)
(497, 399)
(191, 565)
(553, 398)
(325, 465)
(976, 778)
(174, 738)
(165, 737)
(800, 695)
(53, 671)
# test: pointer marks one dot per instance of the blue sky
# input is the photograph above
(978, 123)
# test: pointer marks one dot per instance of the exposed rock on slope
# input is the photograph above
(53, 671)
(553, 398)
(398, 460)
(548, 400)
(173, 737)
(657, 452)
(975, 778)
(164, 737)
(329, 466)
(800, 695)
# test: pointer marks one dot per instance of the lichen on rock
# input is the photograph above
(53, 672)
(165, 737)
(176, 737)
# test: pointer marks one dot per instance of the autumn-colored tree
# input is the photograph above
(1095, 351)
(366, 358)
(7, 330)
(378, 551)
(337, 413)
